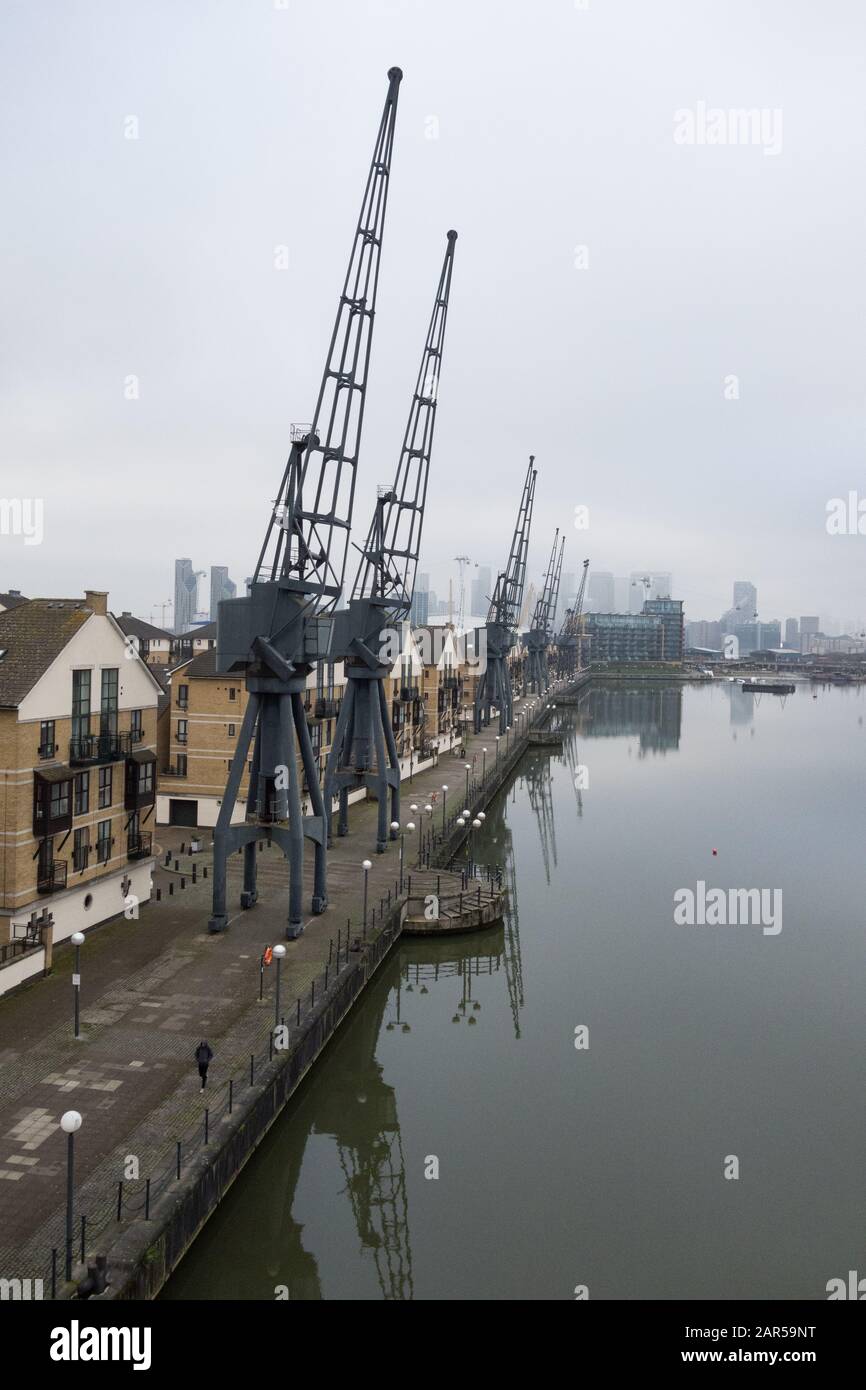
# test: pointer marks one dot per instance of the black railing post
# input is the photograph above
(120, 1199)
(177, 1157)
(147, 1199)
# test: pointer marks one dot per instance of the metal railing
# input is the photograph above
(52, 878)
(100, 748)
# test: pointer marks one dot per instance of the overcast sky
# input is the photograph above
(556, 128)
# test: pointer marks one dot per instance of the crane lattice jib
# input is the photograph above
(307, 538)
(550, 617)
(544, 606)
(508, 595)
(389, 560)
(571, 626)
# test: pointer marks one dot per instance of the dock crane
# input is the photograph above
(277, 632)
(536, 675)
(570, 635)
(368, 634)
(500, 629)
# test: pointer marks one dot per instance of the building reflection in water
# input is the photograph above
(652, 713)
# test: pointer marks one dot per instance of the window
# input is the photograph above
(103, 842)
(104, 787)
(232, 692)
(231, 730)
(81, 848)
(183, 696)
(80, 704)
(181, 764)
(108, 701)
(82, 793)
(46, 739)
(135, 728)
(181, 730)
(145, 778)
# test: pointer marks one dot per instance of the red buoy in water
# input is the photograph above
(715, 851)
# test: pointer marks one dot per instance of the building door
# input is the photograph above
(182, 812)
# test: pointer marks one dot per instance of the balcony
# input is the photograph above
(52, 801)
(80, 859)
(326, 709)
(136, 735)
(182, 702)
(180, 738)
(408, 692)
(51, 878)
(140, 783)
(138, 846)
(99, 748)
(47, 750)
(173, 772)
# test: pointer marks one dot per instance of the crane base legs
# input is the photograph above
(275, 716)
(363, 728)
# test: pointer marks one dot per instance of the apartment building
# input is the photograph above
(77, 776)
(153, 644)
(204, 717)
(442, 684)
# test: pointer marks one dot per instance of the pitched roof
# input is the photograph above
(32, 636)
(11, 600)
(203, 666)
(137, 627)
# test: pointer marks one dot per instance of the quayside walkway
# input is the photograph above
(153, 987)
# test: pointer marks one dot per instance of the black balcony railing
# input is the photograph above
(182, 702)
(99, 748)
(136, 735)
(180, 738)
(173, 772)
(138, 845)
(51, 878)
(408, 692)
(326, 709)
(47, 750)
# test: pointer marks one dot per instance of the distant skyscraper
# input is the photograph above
(419, 613)
(479, 599)
(792, 633)
(221, 587)
(567, 593)
(185, 594)
(745, 600)
(600, 592)
(621, 594)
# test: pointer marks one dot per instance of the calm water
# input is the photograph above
(602, 1167)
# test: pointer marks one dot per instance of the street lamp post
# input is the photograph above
(77, 939)
(468, 770)
(279, 952)
(483, 763)
(444, 799)
(498, 737)
(476, 825)
(70, 1123)
(428, 811)
(367, 866)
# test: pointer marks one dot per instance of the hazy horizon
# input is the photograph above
(611, 280)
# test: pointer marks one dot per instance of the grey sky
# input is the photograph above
(155, 257)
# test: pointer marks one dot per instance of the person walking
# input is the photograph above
(203, 1055)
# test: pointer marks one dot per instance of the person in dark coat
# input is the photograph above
(203, 1055)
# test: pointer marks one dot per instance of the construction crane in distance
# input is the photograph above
(463, 561)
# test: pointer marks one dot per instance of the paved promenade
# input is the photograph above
(151, 989)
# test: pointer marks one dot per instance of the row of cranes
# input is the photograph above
(289, 620)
